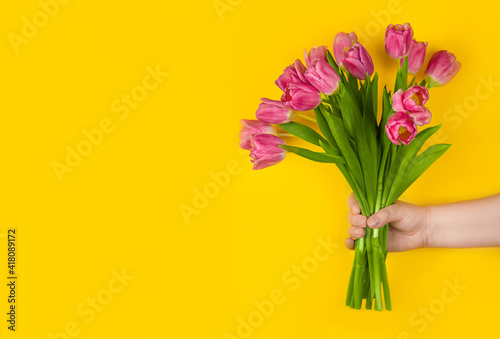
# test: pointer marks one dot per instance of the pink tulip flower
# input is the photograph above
(341, 44)
(265, 151)
(323, 77)
(289, 75)
(315, 53)
(398, 40)
(401, 128)
(293, 73)
(413, 97)
(252, 128)
(301, 97)
(416, 57)
(442, 67)
(358, 62)
(421, 115)
(273, 112)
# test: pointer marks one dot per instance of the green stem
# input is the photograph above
(306, 117)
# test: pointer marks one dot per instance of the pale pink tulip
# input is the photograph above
(273, 112)
(251, 128)
(265, 151)
(323, 77)
(315, 53)
(341, 44)
(442, 67)
(416, 57)
(421, 115)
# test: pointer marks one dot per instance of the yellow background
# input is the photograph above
(120, 208)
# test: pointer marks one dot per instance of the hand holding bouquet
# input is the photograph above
(379, 153)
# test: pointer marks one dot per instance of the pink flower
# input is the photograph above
(293, 73)
(442, 67)
(413, 97)
(358, 62)
(398, 40)
(323, 77)
(289, 75)
(341, 45)
(401, 128)
(251, 128)
(265, 151)
(273, 112)
(416, 56)
(421, 115)
(315, 53)
(301, 97)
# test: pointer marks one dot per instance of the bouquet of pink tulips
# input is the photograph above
(377, 151)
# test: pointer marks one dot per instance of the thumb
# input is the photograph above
(392, 213)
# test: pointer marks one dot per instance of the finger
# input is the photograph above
(355, 232)
(349, 243)
(353, 204)
(392, 213)
(356, 219)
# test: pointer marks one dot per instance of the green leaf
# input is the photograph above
(404, 157)
(323, 127)
(315, 156)
(402, 77)
(351, 113)
(332, 62)
(302, 131)
(418, 166)
(339, 133)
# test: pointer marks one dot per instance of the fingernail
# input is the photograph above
(372, 222)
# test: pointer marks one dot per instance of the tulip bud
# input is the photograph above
(401, 128)
(265, 151)
(416, 57)
(442, 67)
(358, 62)
(323, 77)
(301, 97)
(315, 53)
(273, 112)
(398, 40)
(341, 45)
(251, 128)
(289, 75)
(411, 99)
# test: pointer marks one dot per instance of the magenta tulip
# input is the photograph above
(315, 53)
(289, 75)
(416, 57)
(265, 151)
(358, 62)
(411, 99)
(301, 97)
(252, 128)
(442, 67)
(398, 40)
(273, 112)
(341, 44)
(401, 128)
(323, 77)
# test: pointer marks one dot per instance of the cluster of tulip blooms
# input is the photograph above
(378, 154)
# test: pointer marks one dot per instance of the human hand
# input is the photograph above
(408, 225)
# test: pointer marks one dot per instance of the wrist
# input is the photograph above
(429, 233)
